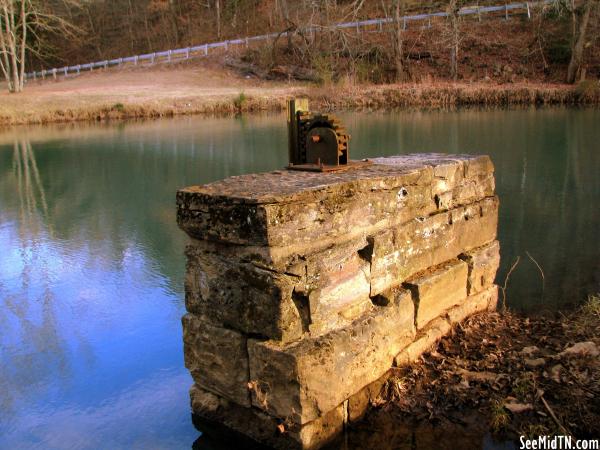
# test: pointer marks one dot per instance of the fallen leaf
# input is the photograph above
(555, 373)
(530, 351)
(581, 348)
(518, 408)
(537, 362)
(487, 377)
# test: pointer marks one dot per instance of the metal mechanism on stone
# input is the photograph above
(316, 142)
(304, 290)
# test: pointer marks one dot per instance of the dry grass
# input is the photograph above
(210, 89)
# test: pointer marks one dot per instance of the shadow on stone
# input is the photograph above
(216, 436)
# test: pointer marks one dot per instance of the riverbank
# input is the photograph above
(501, 375)
(196, 88)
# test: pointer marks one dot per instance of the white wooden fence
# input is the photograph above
(204, 49)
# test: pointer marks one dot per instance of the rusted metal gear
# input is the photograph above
(317, 142)
(322, 140)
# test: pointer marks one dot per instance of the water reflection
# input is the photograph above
(22, 361)
(89, 328)
(91, 259)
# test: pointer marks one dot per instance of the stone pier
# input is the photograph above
(304, 289)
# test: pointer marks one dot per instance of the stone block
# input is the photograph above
(318, 293)
(478, 165)
(403, 251)
(306, 379)
(241, 296)
(359, 403)
(290, 207)
(217, 358)
(338, 289)
(483, 264)
(308, 210)
(482, 301)
(437, 290)
(425, 340)
(263, 428)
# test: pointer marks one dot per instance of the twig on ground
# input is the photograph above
(513, 267)
(551, 412)
(540, 269)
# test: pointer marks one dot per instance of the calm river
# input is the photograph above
(92, 265)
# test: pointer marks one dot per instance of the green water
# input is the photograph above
(91, 259)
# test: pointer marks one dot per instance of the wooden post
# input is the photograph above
(153, 56)
(106, 65)
(187, 53)
(247, 43)
(205, 49)
(528, 11)
(404, 24)
(505, 11)
(54, 73)
(478, 12)
(66, 69)
(34, 75)
(169, 56)
(120, 61)
(43, 74)
(135, 60)
(226, 45)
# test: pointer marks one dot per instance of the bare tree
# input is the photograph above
(581, 18)
(399, 42)
(23, 23)
(453, 9)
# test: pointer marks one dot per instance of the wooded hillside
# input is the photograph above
(560, 41)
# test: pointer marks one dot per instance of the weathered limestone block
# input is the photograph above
(457, 179)
(483, 264)
(438, 290)
(425, 340)
(305, 380)
(482, 301)
(359, 403)
(217, 358)
(288, 208)
(296, 209)
(440, 326)
(403, 251)
(240, 295)
(263, 428)
(338, 286)
(322, 292)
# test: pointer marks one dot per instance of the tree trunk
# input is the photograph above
(399, 47)
(285, 13)
(23, 46)
(5, 63)
(455, 39)
(579, 42)
(218, 8)
(11, 37)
